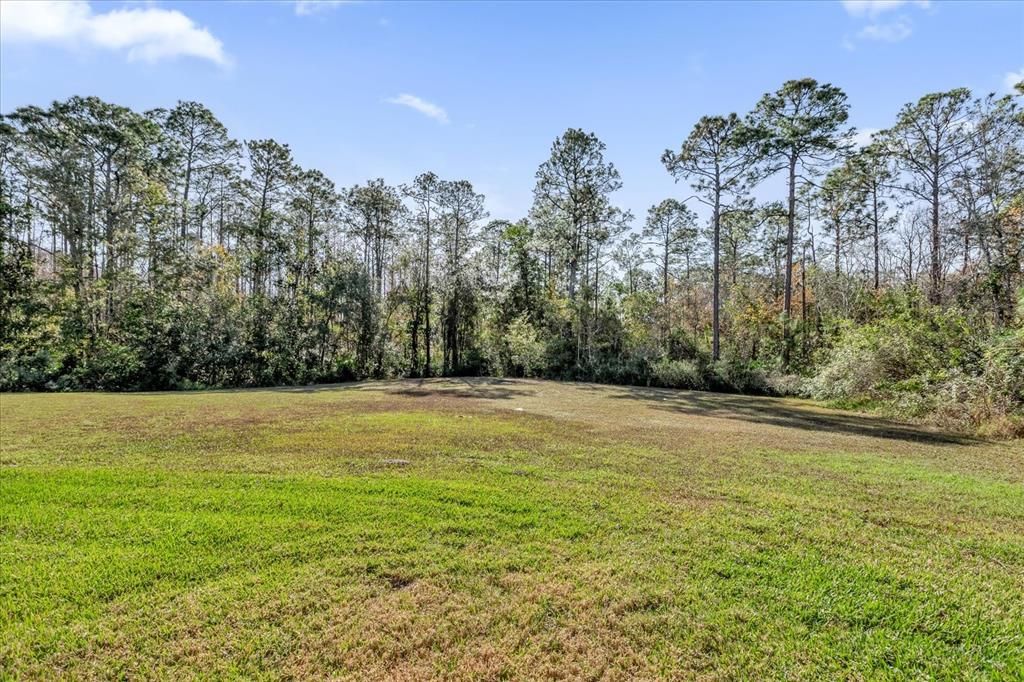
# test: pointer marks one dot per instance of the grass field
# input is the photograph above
(493, 529)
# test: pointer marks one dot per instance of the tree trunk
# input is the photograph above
(184, 200)
(874, 214)
(715, 296)
(427, 301)
(788, 290)
(803, 301)
(936, 263)
(839, 249)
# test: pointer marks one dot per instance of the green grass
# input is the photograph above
(529, 529)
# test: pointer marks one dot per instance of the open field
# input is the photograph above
(493, 529)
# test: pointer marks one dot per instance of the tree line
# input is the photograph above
(152, 250)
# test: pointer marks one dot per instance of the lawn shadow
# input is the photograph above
(314, 388)
(779, 412)
(455, 387)
(242, 390)
(481, 388)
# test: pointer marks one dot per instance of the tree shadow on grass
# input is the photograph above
(310, 388)
(476, 387)
(754, 409)
(242, 390)
(452, 387)
(779, 412)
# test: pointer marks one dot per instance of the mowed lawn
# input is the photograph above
(496, 529)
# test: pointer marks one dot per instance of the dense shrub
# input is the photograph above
(991, 401)
(525, 347)
(112, 366)
(33, 371)
(925, 362)
(678, 374)
(782, 384)
(733, 375)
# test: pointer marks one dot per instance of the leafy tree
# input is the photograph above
(425, 191)
(266, 190)
(461, 210)
(799, 126)
(840, 200)
(928, 142)
(495, 251)
(525, 293)
(199, 147)
(573, 188)
(572, 201)
(718, 158)
(630, 256)
(376, 217)
(986, 185)
(869, 174)
(671, 230)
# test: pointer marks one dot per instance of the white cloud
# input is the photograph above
(28, 21)
(305, 8)
(892, 32)
(873, 28)
(421, 105)
(143, 33)
(872, 8)
(1012, 78)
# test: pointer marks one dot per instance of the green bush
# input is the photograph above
(991, 401)
(852, 373)
(677, 374)
(110, 367)
(735, 375)
(28, 372)
(526, 350)
(924, 362)
(786, 384)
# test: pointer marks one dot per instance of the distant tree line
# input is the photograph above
(152, 251)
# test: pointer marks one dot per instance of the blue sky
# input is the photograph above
(492, 84)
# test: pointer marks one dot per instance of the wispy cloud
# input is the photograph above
(1011, 79)
(890, 32)
(421, 105)
(872, 8)
(141, 33)
(876, 29)
(305, 8)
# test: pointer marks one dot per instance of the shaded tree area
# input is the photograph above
(152, 251)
